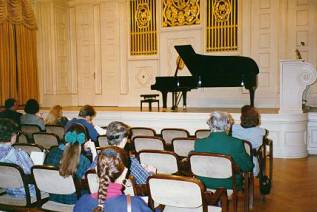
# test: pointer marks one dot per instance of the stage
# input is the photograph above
(293, 135)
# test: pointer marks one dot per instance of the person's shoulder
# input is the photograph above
(21, 153)
(85, 203)
(236, 127)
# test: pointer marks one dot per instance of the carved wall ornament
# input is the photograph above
(221, 10)
(180, 12)
(143, 15)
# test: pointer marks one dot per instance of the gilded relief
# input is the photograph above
(222, 25)
(143, 35)
(221, 10)
(180, 12)
(143, 15)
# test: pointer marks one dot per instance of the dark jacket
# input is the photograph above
(11, 114)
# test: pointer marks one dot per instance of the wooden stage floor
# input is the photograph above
(154, 109)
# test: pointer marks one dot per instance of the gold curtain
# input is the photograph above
(8, 77)
(18, 57)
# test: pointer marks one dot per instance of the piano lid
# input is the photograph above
(216, 66)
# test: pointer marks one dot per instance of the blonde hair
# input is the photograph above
(71, 154)
(109, 168)
(54, 115)
(70, 160)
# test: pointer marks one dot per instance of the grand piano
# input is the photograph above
(208, 71)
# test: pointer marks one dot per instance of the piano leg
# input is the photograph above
(184, 99)
(252, 91)
(174, 100)
(164, 97)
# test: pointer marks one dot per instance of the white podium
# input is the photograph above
(295, 76)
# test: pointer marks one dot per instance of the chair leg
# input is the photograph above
(251, 187)
(235, 202)
(141, 105)
(150, 106)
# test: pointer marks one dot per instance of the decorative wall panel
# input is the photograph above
(222, 25)
(180, 12)
(144, 76)
(143, 34)
(63, 76)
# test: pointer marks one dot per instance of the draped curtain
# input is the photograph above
(18, 57)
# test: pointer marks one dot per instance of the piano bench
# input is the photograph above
(150, 98)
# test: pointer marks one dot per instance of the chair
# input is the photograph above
(102, 141)
(22, 138)
(141, 131)
(248, 148)
(29, 147)
(92, 180)
(164, 161)
(12, 176)
(183, 146)
(29, 129)
(56, 129)
(46, 140)
(202, 133)
(148, 142)
(267, 148)
(149, 98)
(183, 194)
(219, 166)
(168, 134)
(47, 179)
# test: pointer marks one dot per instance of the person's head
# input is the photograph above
(32, 106)
(11, 104)
(87, 112)
(54, 114)
(8, 131)
(219, 122)
(117, 133)
(249, 117)
(75, 137)
(109, 168)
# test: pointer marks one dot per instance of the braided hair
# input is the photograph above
(109, 168)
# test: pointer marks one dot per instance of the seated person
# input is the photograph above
(248, 130)
(117, 135)
(69, 159)
(111, 172)
(31, 108)
(10, 111)
(220, 142)
(55, 116)
(8, 154)
(85, 117)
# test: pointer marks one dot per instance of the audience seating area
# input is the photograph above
(167, 152)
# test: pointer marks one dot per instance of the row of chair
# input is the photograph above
(30, 129)
(46, 140)
(201, 165)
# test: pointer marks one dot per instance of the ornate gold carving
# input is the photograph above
(143, 15)
(221, 10)
(222, 25)
(180, 12)
(143, 33)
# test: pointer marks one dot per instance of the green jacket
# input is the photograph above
(220, 142)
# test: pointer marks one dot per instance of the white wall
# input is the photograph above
(84, 51)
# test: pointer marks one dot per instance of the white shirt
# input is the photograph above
(254, 134)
